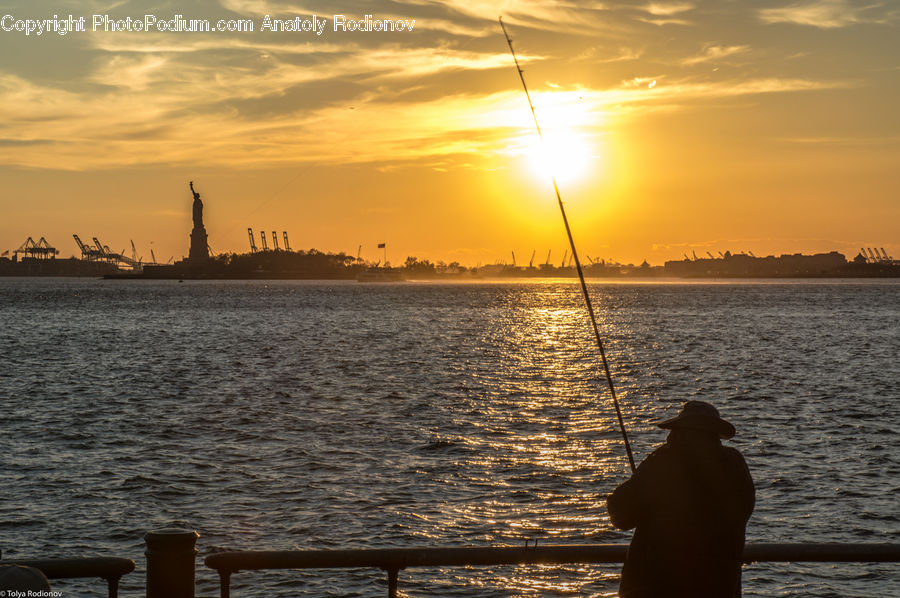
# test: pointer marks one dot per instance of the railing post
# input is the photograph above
(392, 583)
(112, 586)
(170, 563)
(224, 583)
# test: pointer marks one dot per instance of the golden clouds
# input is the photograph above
(827, 14)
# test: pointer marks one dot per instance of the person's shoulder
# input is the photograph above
(733, 453)
(659, 452)
(735, 458)
(658, 458)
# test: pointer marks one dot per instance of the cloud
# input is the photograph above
(666, 13)
(661, 22)
(580, 19)
(824, 14)
(263, 7)
(254, 100)
(186, 44)
(599, 55)
(150, 107)
(765, 85)
(667, 9)
(714, 53)
(117, 129)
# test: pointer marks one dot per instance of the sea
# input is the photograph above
(286, 415)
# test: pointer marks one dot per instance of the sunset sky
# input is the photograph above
(770, 127)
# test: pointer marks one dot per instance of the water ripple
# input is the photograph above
(284, 415)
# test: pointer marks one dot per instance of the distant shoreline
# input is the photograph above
(314, 265)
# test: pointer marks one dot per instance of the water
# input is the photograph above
(287, 415)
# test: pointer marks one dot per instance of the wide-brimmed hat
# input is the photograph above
(700, 415)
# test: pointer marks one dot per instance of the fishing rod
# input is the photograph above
(584, 289)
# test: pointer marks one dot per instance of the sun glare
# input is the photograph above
(563, 154)
(569, 150)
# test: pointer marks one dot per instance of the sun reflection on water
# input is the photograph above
(543, 448)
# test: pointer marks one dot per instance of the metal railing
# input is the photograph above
(109, 568)
(393, 560)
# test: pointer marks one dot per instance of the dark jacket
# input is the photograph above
(690, 501)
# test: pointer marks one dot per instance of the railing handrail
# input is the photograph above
(393, 560)
(108, 568)
(384, 558)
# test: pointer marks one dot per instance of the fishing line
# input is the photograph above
(584, 289)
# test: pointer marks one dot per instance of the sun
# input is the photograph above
(563, 154)
(571, 146)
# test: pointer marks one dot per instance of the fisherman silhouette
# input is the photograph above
(689, 502)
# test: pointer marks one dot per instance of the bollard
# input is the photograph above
(170, 563)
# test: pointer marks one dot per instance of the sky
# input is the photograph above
(673, 128)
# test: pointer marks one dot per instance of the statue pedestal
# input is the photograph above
(199, 246)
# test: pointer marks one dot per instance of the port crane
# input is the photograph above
(114, 258)
(275, 241)
(287, 244)
(87, 252)
(531, 262)
(262, 239)
(253, 248)
(102, 251)
(98, 252)
(40, 250)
